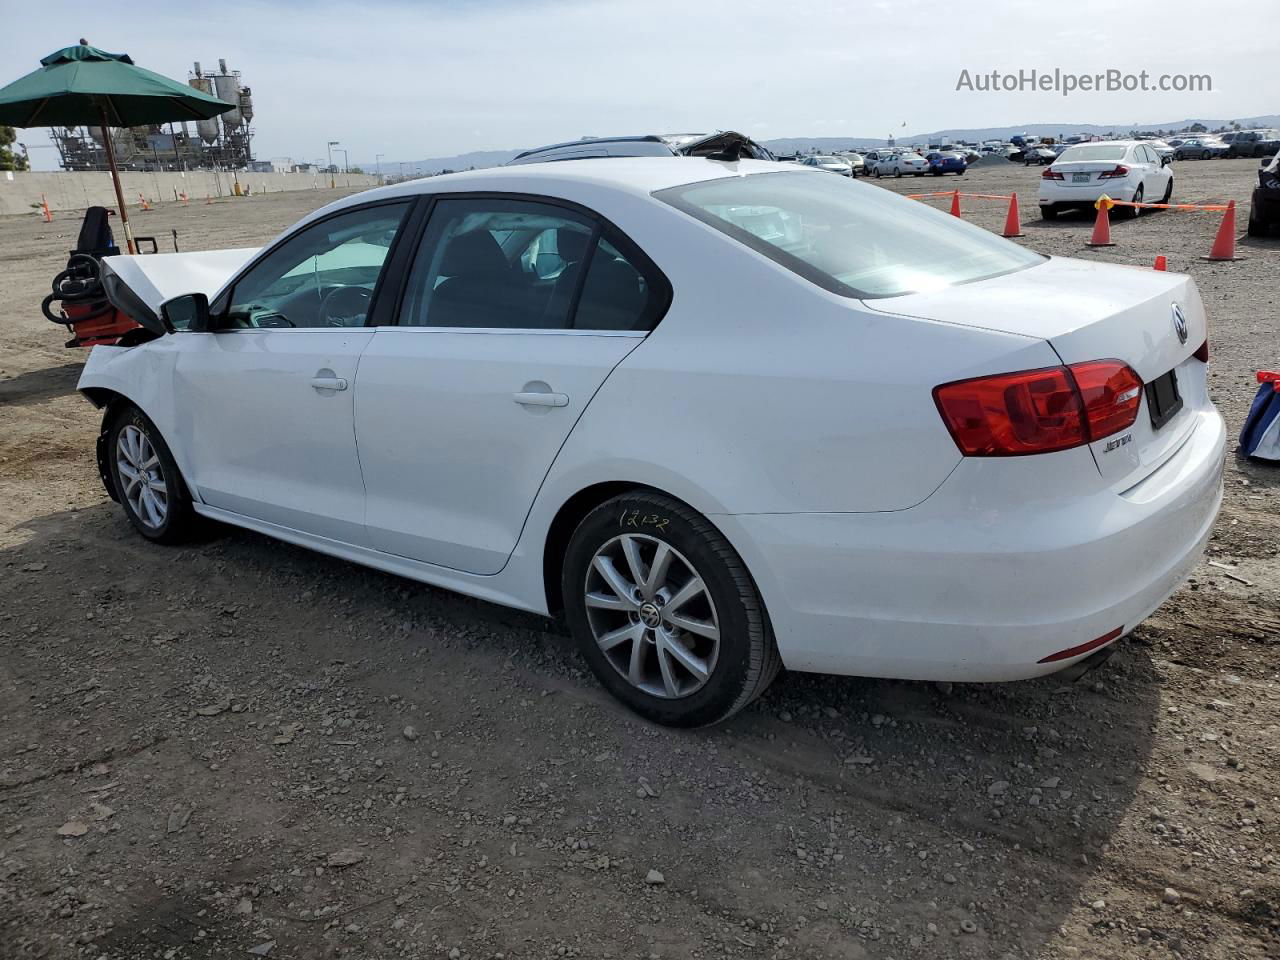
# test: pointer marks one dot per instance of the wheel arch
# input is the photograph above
(566, 520)
(111, 401)
(581, 503)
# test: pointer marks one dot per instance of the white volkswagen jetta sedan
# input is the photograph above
(1129, 170)
(726, 416)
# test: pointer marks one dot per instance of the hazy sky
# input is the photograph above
(431, 78)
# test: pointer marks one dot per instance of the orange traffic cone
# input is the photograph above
(208, 199)
(955, 203)
(184, 199)
(1161, 263)
(1224, 244)
(1013, 223)
(45, 215)
(143, 200)
(1102, 226)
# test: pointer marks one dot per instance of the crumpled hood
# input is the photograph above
(155, 278)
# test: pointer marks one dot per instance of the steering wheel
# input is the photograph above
(342, 303)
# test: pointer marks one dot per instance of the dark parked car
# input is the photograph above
(725, 145)
(941, 162)
(1041, 155)
(1264, 211)
(1199, 148)
(1254, 143)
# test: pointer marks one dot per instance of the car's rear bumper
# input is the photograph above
(1052, 192)
(970, 585)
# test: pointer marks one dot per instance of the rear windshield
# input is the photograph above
(1093, 151)
(850, 238)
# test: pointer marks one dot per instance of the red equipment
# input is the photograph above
(83, 306)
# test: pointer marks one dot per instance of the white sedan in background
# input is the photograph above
(897, 164)
(726, 416)
(830, 164)
(1128, 170)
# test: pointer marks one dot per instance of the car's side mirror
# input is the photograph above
(187, 312)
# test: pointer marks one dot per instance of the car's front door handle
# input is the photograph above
(329, 383)
(539, 399)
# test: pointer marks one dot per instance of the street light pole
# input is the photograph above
(332, 143)
(377, 163)
(346, 164)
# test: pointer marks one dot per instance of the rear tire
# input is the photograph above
(1049, 212)
(1132, 213)
(146, 479)
(639, 569)
(1168, 192)
(1256, 226)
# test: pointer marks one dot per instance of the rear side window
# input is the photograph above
(849, 238)
(1092, 151)
(498, 263)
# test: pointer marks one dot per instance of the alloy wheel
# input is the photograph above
(652, 616)
(142, 477)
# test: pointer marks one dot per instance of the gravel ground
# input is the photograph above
(240, 748)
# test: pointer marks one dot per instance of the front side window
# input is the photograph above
(323, 276)
(850, 239)
(494, 263)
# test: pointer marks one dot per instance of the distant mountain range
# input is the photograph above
(789, 145)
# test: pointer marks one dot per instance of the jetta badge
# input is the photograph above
(1180, 324)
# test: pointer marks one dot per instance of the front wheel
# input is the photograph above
(146, 479)
(897, 171)
(1168, 192)
(665, 612)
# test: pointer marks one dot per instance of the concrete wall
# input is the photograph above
(20, 192)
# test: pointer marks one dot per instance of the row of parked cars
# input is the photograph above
(1075, 174)
(889, 163)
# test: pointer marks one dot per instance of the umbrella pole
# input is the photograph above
(115, 180)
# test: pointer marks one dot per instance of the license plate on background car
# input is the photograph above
(1163, 399)
(1080, 178)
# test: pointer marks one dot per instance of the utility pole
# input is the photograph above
(332, 182)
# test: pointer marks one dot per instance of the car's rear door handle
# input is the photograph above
(329, 383)
(539, 399)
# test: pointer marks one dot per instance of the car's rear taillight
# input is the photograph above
(1112, 394)
(1051, 174)
(1039, 411)
(1120, 171)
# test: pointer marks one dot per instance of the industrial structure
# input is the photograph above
(223, 143)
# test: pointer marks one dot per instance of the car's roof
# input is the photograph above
(633, 175)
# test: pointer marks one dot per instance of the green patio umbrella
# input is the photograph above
(83, 85)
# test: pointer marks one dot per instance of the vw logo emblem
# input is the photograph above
(1180, 324)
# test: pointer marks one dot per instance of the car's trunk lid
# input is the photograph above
(1083, 172)
(1088, 311)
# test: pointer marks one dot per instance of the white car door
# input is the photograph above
(513, 314)
(1152, 176)
(266, 397)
